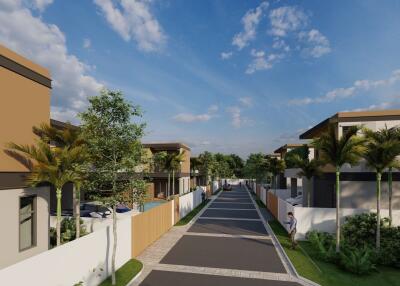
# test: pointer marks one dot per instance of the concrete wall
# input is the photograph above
(87, 259)
(24, 103)
(189, 201)
(9, 222)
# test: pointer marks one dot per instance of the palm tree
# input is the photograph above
(276, 166)
(393, 135)
(308, 168)
(51, 165)
(380, 154)
(69, 137)
(337, 152)
(176, 160)
(160, 164)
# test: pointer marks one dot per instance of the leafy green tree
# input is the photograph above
(380, 154)
(256, 167)
(50, 164)
(207, 165)
(301, 152)
(346, 150)
(113, 141)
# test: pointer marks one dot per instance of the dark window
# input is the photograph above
(27, 222)
(346, 129)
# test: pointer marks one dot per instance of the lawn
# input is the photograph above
(328, 274)
(125, 273)
(185, 220)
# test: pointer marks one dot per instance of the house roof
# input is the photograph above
(61, 125)
(165, 146)
(351, 116)
(288, 146)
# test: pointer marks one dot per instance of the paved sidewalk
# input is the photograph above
(226, 244)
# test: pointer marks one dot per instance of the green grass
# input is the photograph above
(328, 274)
(185, 220)
(258, 201)
(125, 273)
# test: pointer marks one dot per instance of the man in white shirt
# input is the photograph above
(292, 229)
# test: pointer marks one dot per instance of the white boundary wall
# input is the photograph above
(189, 201)
(324, 219)
(215, 186)
(87, 259)
(263, 195)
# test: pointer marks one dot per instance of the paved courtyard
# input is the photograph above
(227, 244)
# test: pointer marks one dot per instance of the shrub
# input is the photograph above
(68, 231)
(357, 260)
(390, 247)
(324, 245)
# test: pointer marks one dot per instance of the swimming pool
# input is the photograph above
(152, 204)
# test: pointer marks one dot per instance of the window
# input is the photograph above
(346, 129)
(27, 218)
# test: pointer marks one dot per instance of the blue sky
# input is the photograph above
(225, 76)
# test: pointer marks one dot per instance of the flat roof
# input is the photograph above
(22, 61)
(166, 146)
(351, 116)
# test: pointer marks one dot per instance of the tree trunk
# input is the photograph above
(173, 182)
(77, 208)
(114, 216)
(58, 225)
(390, 179)
(309, 187)
(337, 209)
(169, 184)
(378, 210)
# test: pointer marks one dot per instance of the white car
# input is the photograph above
(295, 201)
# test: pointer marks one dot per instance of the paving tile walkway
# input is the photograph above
(227, 243)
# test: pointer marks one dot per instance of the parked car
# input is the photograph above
(295, 201)
(227, 187)
(95, 209)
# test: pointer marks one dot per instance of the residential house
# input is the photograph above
(25, 89)
(158, 178)
(358, 183)
(290, 179)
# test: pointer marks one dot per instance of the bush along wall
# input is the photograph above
(358, 253)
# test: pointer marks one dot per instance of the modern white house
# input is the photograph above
(358, 183)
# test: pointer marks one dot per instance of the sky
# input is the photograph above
(219, 75)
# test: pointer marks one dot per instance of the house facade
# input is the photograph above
(25, 89)
(358, 183)
(158, 179)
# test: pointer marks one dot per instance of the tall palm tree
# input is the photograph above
(276, 166)
(176, 160)
(69, 137)
(380, 154)
(308, 168)
(393, 135)
(337, 152)
(51, 165)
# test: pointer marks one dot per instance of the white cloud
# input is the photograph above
(226, 55)
(45, 44)
(190, 117)
(132, 19)
(246, 101)
(280, 44)
(317, 44)
(359, 85)
(87, 43)
(236, 115)
(261, 61)
(250, 22)
(286, 19)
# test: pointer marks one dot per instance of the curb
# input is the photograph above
(136, 276)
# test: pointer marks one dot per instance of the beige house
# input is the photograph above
(158, 179)
(358, 187)
(24, 212)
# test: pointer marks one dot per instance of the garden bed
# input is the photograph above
(125, 273)
(328, 274)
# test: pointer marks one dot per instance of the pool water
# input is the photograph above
(152, 204)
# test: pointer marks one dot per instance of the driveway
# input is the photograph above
(228, 244)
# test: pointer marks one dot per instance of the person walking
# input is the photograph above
(292, 229)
